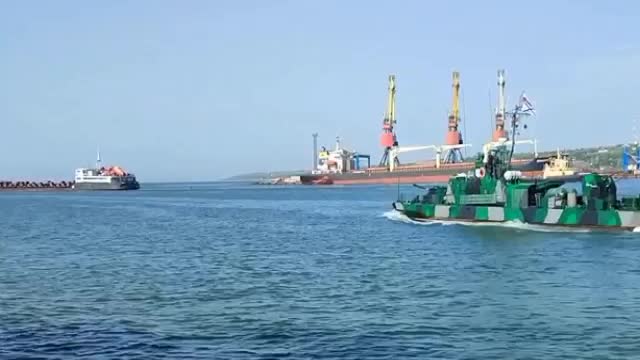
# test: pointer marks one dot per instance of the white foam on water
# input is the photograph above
(397, 216)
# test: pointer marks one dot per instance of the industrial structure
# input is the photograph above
(315, 151)
(388, 140)
(454, 136)
(339, 160)
(453, 139)
(500, 132)
(342, 165)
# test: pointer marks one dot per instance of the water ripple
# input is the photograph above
(234, 272)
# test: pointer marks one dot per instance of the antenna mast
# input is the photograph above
(315, 152)
(98, 160)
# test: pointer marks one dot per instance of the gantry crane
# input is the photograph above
(454, 137)
(388, 139)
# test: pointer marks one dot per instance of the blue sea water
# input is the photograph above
(233, 271)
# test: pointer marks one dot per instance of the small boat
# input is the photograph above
(560, 166)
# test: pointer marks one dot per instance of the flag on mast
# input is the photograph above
(525, 104)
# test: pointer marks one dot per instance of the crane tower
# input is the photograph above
(454, 137)
(388, 139)
(500, 131)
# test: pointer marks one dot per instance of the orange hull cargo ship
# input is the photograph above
(409, 174)
(341, 166)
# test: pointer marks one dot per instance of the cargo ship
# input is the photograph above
(104, 178)
(342, 166)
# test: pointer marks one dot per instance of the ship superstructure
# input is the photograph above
(339, 160)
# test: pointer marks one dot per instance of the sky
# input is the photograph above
(202, 90)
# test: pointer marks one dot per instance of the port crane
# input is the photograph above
(454, 137)
(388, 140)
(500, 132)
(454, 143)
(451, 149)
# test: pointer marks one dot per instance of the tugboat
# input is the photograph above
(560, 166)
(495, 193)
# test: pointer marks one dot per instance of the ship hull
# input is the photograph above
(616, 220)
(107, 186)
(531, 168)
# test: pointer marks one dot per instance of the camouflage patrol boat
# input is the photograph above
(492, 193)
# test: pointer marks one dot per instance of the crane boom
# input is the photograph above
(390, 116)
(388, 138)
(454, 137)
(500, 131)
(454, 117)
(501, 101)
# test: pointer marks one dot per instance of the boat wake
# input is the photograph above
(397, 216)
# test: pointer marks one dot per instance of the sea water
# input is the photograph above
(234, 271)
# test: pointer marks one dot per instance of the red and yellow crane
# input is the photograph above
(388, 139)
(500, 132)
(454, 137)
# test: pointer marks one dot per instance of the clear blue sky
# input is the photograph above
(197, 90)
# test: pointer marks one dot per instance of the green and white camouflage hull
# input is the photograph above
(494, 194)
(567, 217)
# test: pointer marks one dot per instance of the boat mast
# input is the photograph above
(98, 160)
(315, 152)
(514, 118)
(500, 131)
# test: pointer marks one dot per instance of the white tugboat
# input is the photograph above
(104, 178)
